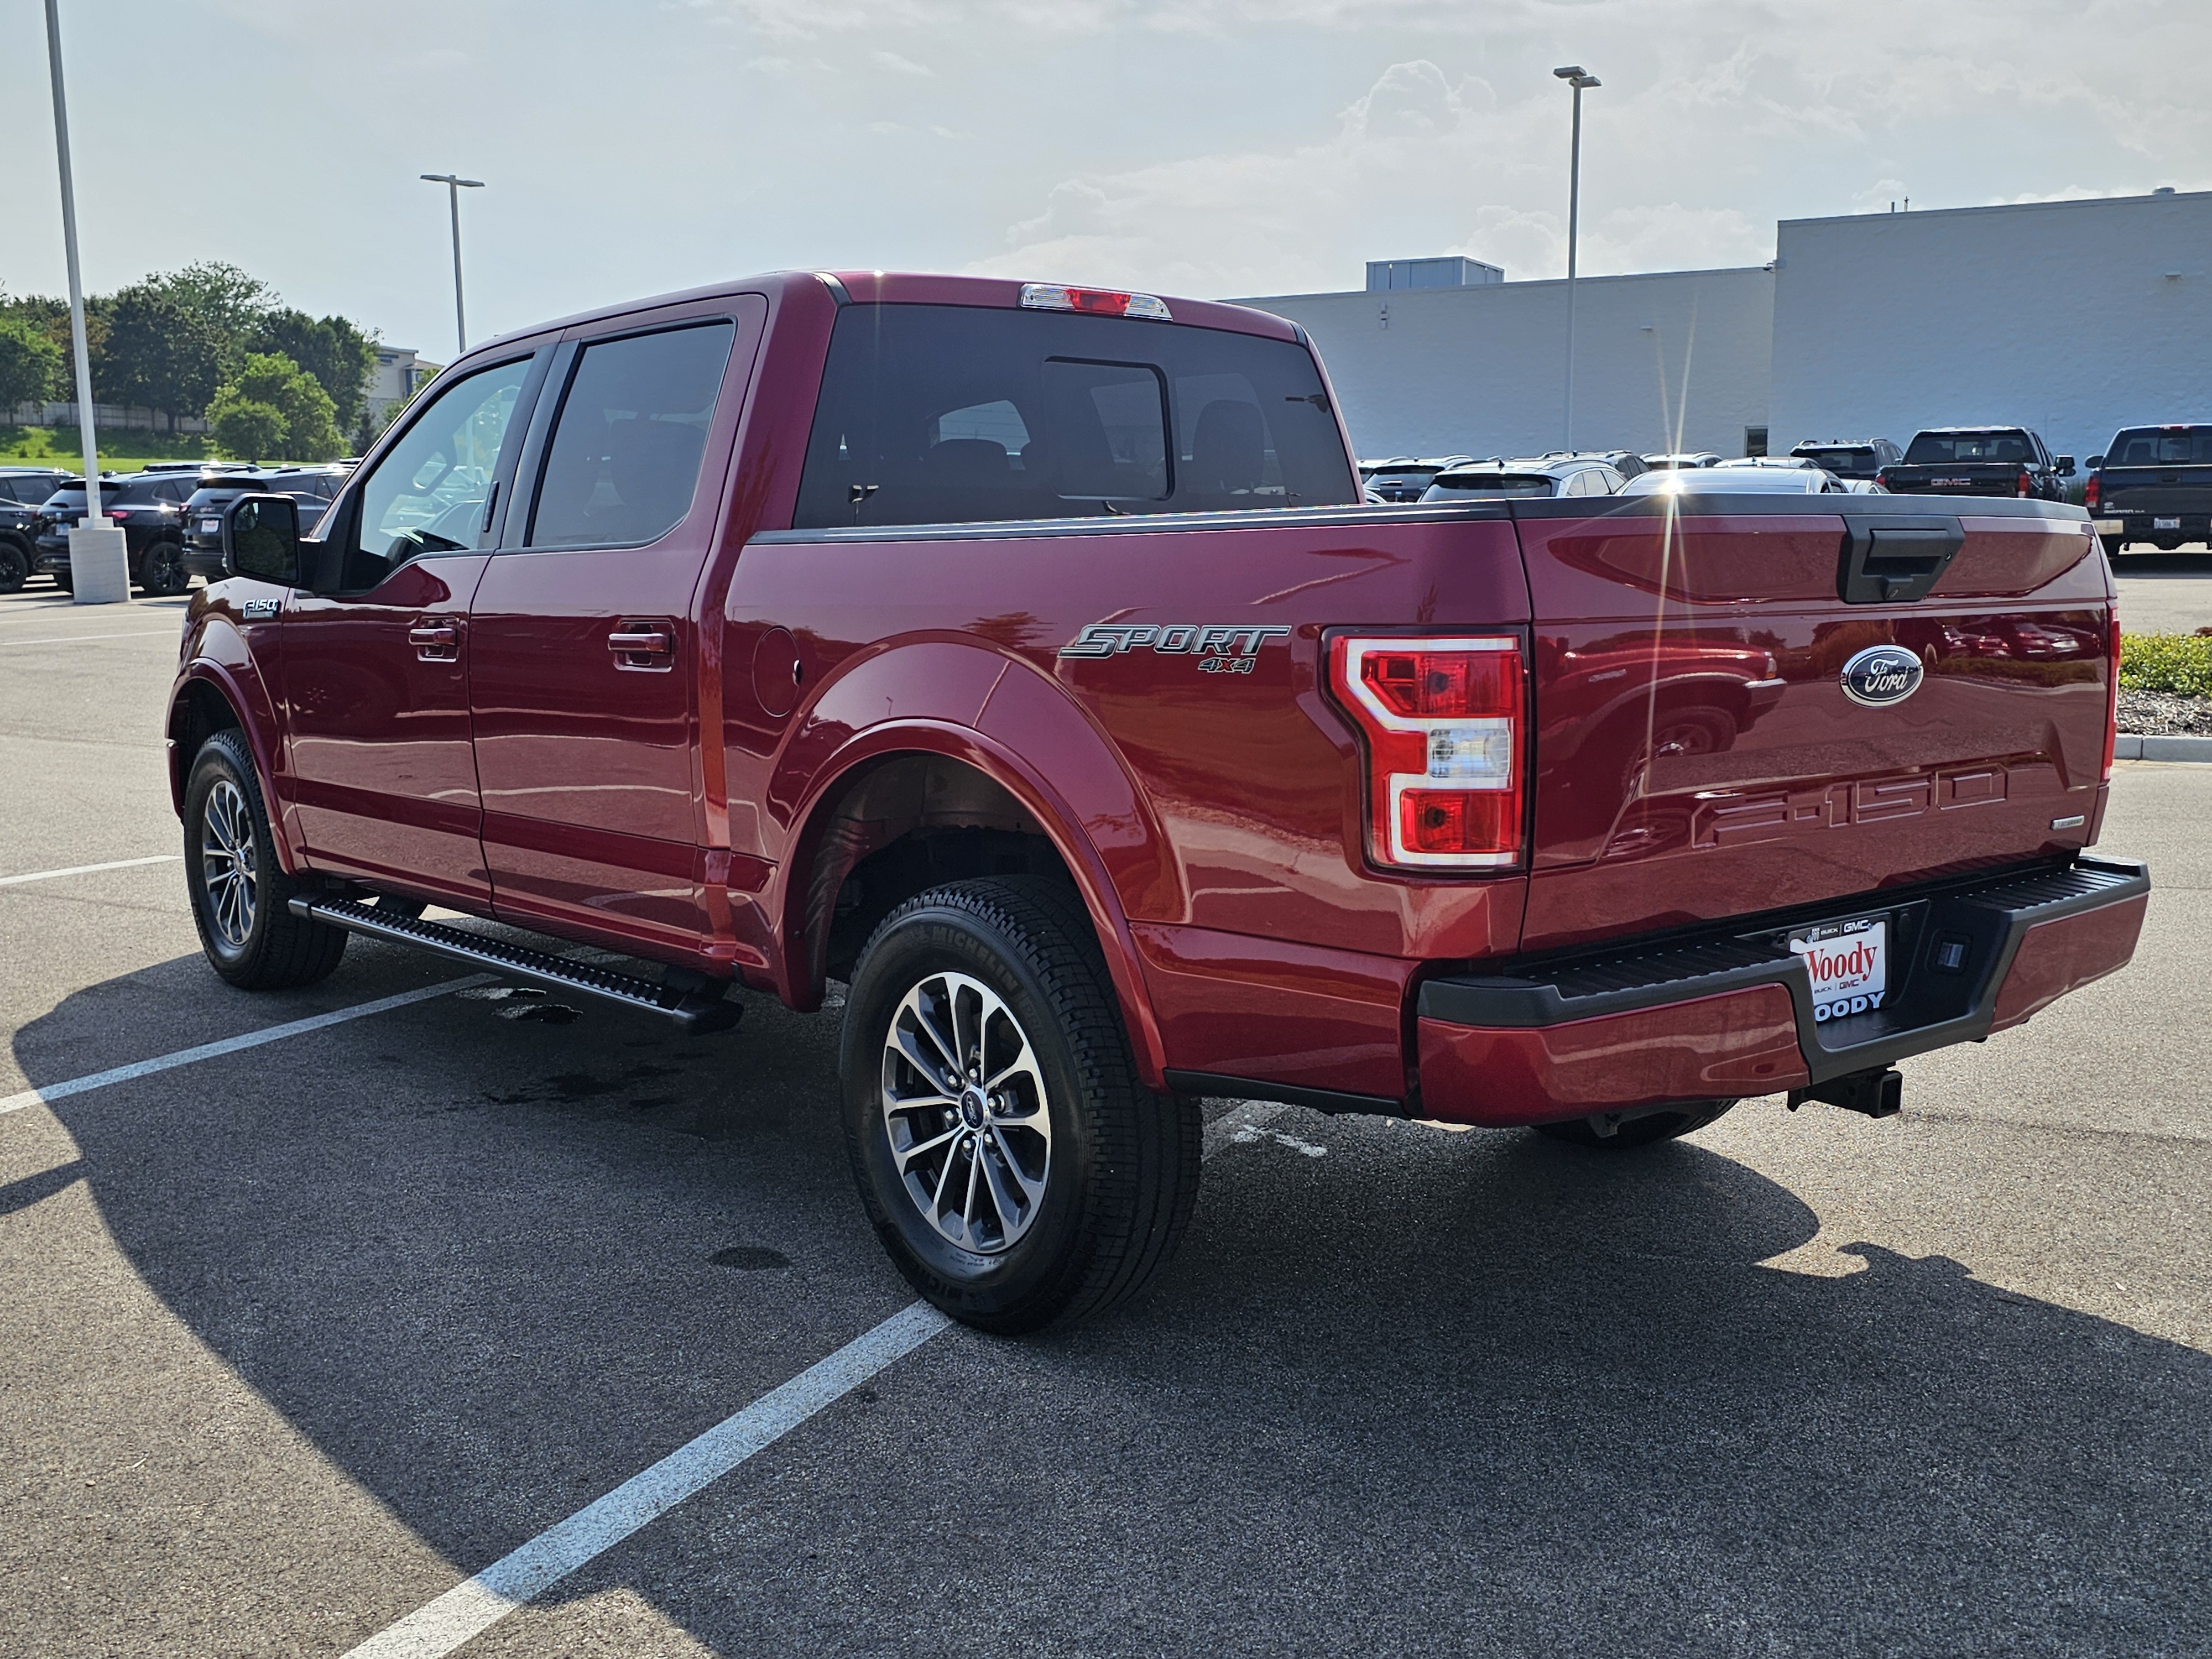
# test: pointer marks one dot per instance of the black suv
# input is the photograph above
(313, 487)
(19, 529)
(28, 486)
(148, 507)
(1850, 458)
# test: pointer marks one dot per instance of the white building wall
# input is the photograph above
(2073, 317)
(1482, 370)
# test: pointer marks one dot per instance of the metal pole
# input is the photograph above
(1574, 216)
(83, 352)
(460, 311)
(99, 558)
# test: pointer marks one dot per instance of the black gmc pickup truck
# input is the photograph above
(2153, 484)
(1979, 460)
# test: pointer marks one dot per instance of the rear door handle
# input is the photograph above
(436, 642)
(643, 645)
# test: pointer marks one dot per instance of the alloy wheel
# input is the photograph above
(227, 866)
(965, 1112)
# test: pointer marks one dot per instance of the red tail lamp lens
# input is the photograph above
(1443, 718)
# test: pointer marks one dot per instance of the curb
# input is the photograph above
(2162, 749)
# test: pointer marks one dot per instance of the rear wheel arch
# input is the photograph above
(901, 820)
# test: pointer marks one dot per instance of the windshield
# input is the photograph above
(1967, 448)
(2155, 446)
(1852, 463)
(1479, 485)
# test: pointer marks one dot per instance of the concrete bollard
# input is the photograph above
(100, 565)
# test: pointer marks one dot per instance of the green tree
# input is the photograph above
(30, 365)
(244, 429)
(338, 354)
(157, 352)
(270, 380)
(228, 303)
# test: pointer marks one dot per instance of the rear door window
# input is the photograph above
(627, 445)
(957, 415)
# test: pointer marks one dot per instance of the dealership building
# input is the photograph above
(2073, 317)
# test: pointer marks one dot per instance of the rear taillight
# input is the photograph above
(2113, 694)
(2093, 491)
(2024, 484)
(1443, 718)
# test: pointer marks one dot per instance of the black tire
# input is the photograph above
(1120, 1165)
(164, 567)
(14, 564)
(1647, 1131)
(261, 946)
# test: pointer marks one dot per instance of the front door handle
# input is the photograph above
(643, 645)
(436, 642)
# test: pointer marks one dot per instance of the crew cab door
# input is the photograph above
(377, 649)
(585, 662)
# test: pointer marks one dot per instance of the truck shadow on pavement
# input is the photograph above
(1436, 1393)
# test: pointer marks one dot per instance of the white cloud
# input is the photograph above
(898, 65)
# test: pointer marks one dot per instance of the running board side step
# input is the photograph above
(694, 1001)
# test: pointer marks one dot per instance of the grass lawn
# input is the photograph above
(124, 450)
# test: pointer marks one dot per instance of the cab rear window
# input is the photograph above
(1966, 448)
(963, 414)
(2188, 445)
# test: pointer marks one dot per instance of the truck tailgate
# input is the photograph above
(2169, 489)
(1697, 756)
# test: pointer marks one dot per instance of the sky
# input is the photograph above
(1188, 146)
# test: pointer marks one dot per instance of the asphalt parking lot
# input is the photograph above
(298, 1336)
(2166, 592)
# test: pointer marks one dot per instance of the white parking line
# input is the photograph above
(78, 1086)
(474, 1605)
(72, 639)
(90, 869)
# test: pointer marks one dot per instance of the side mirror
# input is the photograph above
(261, 538)
(2065, 466)
(2096, 461)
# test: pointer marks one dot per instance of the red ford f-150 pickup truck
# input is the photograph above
(1022, 656)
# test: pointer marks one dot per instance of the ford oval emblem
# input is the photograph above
(1881, 675)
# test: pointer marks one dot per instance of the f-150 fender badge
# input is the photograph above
(1237, 645)
(260, 609)
(1881, 675)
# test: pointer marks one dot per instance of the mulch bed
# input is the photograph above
(2163, 714)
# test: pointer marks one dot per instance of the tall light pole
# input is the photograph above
(1581, 80)
(454, 186)
(99, 563)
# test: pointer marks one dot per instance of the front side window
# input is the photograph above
(962, 414)
(429, 491)
(624, 458)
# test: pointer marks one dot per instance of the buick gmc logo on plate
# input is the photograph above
(1881, 675)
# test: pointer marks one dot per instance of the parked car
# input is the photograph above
(2153, 485)
(1749, 480)
(30, 485)
(1538, 476)
(1404, 478)
(1979, 460)
(1687, 459)
(1625, 462)
(313, 487)
(147, 507)
(1862, 457)
(19, 533)
(1019, 657)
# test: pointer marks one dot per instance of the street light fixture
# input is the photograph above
(454, 186)
(1581, 80)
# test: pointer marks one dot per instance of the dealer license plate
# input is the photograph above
(2165, 523)
(1849, 961)
(209, 526)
